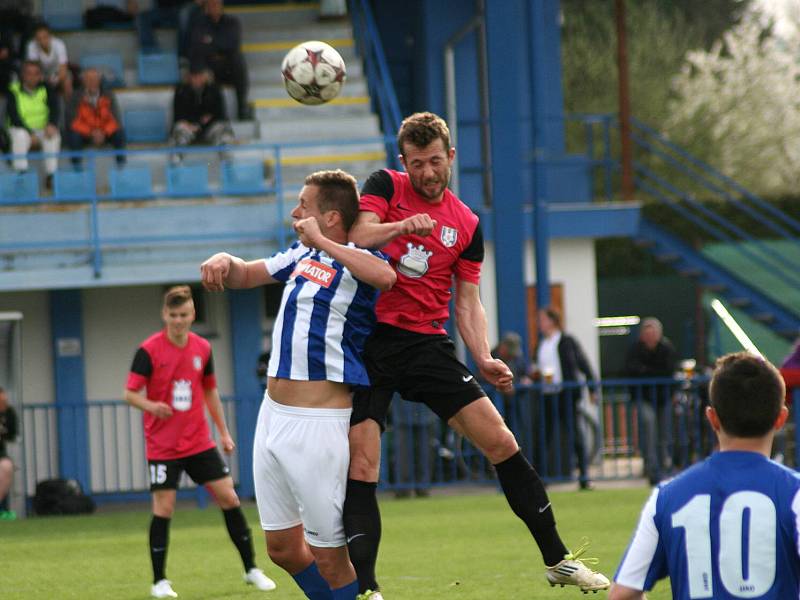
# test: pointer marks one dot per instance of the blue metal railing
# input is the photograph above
(638, 428)
(379, 78)
(95, 240)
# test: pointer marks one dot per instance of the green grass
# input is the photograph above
(466, 547)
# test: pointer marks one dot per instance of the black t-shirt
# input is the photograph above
(8, 428)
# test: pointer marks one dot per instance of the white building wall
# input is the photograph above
(37, 353)
(572, 264)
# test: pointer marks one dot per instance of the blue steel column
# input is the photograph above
(246, 310)
(70, 385)
(547, 108)
(508, 102)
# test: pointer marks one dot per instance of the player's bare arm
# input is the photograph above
(225, 270)
(157, 409)
(365, 267)
(214, 405)
(369, 232)
(620, 592)
(471, 319)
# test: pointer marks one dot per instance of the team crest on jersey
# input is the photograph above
(414, 263)
(449, 235)
(197, 363)
(182, 395)
(315, 271)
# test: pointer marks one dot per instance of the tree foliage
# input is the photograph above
(737, 106)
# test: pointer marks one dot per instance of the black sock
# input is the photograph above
(159, 538)
(240, 535)
(528, 499)
(362, 525)
(4, 504)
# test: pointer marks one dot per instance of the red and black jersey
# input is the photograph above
(425, 265)
(178, 377)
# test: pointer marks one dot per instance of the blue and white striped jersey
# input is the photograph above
(726, 528)
(325, 316)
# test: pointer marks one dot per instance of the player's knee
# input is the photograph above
(6, 467)
(500, 445)
(285, 557)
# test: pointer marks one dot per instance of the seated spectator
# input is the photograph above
(93, 118)
(16, 17)
(8, 433)
(171, 14)
(199, 112)
(6, 58)
(216, 42)
(33, 116)
(51, 53)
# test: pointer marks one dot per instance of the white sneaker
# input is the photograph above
(256, 577)
(573, 571)
(163, 589)
(370, 595)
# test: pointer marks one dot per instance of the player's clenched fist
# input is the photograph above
(420, 224)
(214, 271)
(308, 232)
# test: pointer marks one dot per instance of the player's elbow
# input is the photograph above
(387, 279)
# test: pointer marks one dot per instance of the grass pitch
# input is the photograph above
(465, 547)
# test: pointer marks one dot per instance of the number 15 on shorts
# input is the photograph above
(158, 474)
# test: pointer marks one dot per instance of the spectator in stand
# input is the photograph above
(216, 42)
(561, 360)
(653, 356)
(6, 58)
(16, 17)
(174, 14)
(33, 116)
(790, 370)
(93, 118)
(51, 53)
(8, 433)
(199, 112)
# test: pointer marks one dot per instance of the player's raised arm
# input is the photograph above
(225, 270)
(363, 265)
(369, 232)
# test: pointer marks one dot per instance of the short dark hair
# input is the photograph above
(177, 295)
(747, 392)
(338, 191)
(30, 63)
(41, 25)
(421, 129)
(553, 314)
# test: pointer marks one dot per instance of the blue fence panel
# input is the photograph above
(239, 178)
(637, 429)
(19, 187)
(74, 185)
(188, 180)
(131, 182)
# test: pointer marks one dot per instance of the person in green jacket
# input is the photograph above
(32, 111)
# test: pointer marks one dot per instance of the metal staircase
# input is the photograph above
(761, 275)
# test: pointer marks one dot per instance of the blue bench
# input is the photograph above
(73, 185)
(131, 182)
(19, 187)
(239, 178)
(190, 179)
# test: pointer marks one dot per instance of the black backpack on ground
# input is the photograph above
(61, 497)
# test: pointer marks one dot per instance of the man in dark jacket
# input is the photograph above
(561, 360)
(216, 41)
(653, 356)
(8, 433)
(199, 112)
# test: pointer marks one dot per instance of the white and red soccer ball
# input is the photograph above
(313, 72)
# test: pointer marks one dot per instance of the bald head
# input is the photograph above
(91, 81)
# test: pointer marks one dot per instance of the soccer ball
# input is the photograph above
(313, 72)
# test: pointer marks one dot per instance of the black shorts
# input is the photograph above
(421, 367)
(201, 467)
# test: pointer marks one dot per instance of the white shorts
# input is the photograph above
(300, 462)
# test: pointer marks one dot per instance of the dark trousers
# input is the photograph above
(76, 142)
(562, 425)
(233, 71)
